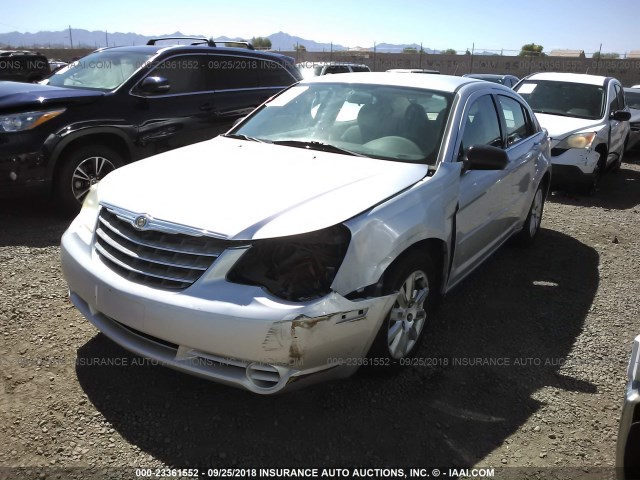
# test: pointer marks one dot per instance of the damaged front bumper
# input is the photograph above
(234, 334)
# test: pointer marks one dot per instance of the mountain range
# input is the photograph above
(95, 39)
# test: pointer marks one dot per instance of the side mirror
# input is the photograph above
(621, 116)
(485, 157)
(155, 85)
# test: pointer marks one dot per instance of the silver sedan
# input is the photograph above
(315, 236)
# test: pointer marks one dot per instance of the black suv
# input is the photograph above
(121, 104)
(23, 66)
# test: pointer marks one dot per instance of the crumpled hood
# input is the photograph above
(248, 190)
(16, 95)
(559, 127)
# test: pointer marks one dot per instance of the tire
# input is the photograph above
(618, 163)
(81, 169)
(404, 326)
(531, 226)
(591, 187)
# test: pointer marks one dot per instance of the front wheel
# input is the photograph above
(83, 168)
(403, 329)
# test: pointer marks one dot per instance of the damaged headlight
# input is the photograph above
(577, 140)
(295, 268)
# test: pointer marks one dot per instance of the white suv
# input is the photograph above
(587, 120)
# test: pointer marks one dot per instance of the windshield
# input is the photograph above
(104, 70)
(564, 98)
(633, 99)
(392, 123)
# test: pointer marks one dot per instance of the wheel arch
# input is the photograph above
(111, 138)
(437, 251)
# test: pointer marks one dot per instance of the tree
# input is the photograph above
(261, 42)
(602, 56)
(449, 51)
(299, 48)
(467, 52)
(531, 50)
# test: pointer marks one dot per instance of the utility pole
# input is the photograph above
(599, 58)
(420, 55)
(106, 39)
(70, 37)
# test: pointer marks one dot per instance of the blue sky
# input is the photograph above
(489, 24)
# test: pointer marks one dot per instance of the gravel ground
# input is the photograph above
(523, 370)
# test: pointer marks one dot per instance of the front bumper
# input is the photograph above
(628, 446)
(238, 335)
(573, 165)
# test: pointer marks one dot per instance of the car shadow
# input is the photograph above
(617, 190)
(31, 222)
(497, 339)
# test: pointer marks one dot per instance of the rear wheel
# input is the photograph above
(403, 329)
(532, 223)
(83, 168)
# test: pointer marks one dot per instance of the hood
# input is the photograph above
(560, 127)
(248, 190)
(17, 95)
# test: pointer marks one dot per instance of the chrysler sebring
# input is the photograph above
(316, 235)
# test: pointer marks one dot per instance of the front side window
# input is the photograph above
(564, 98)
(620, 96)
(185, 73)
(482, 126)
(392, 123)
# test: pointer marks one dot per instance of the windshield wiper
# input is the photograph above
(242, 136)
(315, 145)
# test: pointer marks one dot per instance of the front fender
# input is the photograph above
(382, 234)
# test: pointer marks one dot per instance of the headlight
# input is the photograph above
(295, 268)
(85, 223)
(577, 140)
(19, 122)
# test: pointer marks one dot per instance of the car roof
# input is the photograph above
(152, 49)
(443, 83)
(569, 77)
(488, 75)
(323, 64)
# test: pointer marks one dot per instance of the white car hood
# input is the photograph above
(559, 126)
(247, 190)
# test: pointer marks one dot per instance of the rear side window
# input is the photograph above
(226, 72)
(360, 68)
(516, 120)
(273, 74)
(336, 69)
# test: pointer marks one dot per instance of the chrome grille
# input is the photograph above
(160, 259)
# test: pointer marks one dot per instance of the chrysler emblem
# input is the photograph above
(140, 222)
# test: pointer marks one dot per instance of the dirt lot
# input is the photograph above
(523, 370)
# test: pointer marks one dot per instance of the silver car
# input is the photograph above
(632, 96)
(627, 458)
(316, 235)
